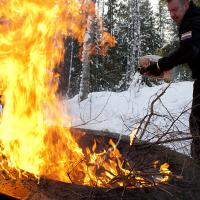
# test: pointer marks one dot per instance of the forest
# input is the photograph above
(135, 29)
(78, 120)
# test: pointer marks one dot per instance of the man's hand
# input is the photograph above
(152, 69)
(142, 70)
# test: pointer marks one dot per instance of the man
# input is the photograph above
(187, 17)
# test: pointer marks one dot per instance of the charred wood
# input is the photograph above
(183, 185)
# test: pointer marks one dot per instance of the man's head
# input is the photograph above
(177, 9)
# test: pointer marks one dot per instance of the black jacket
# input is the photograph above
(189, 50)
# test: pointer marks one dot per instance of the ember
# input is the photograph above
(31, 40)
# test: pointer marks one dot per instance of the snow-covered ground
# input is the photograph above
(122, 112)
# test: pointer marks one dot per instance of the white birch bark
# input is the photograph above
(85, 79)
(134, 38)
(70, 67)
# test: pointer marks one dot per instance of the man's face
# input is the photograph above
(177, 10)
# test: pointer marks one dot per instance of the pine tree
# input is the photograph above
(150, 37)
(111, 68)
(162, 20)
(134, 40)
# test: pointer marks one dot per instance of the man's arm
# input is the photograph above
(183, 55)
(188, 50)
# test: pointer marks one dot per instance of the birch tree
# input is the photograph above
(87, 45)
(134, 38)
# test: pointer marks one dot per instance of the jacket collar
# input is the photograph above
(189, 13)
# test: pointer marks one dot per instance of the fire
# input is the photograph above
(31, 40)
(32, 136)
(164, 169)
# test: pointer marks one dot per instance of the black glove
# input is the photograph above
(153, 69)
(142, 70)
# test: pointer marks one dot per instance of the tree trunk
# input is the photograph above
(134, 39)
(87, 45)
(184, 183)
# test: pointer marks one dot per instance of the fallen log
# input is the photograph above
(184, 183)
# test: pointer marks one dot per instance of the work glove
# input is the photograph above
(141, 70)
(152, 69)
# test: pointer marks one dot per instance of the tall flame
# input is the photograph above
(31, 41)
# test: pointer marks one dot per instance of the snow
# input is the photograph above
(105, 110)
(122, 112)
(154, 4)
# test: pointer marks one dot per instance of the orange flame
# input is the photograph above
(31, 40)
(32, 133)
(164, 170)
(105, 42)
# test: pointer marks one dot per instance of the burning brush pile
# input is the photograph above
(31, 41)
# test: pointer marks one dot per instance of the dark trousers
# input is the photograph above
(195, 122)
